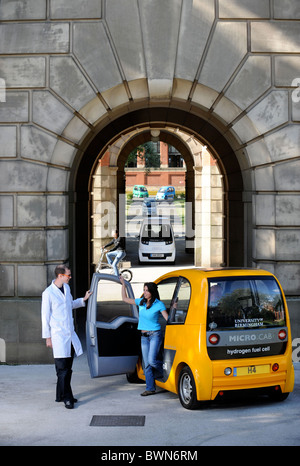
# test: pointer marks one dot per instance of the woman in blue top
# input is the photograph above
(150, 308)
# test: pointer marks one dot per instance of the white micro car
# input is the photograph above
(157, 241)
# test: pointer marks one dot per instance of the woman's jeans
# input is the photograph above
(114, 257)
(150, 348)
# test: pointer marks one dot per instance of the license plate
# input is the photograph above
(251, 370)
(157, 255)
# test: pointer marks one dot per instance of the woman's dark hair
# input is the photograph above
(152, 288)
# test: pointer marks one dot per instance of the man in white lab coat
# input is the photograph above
(58, 330)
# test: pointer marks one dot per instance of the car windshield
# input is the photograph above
(162, 190)
(245, 302)
(156, 232)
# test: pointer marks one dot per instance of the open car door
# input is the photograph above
(112, 339)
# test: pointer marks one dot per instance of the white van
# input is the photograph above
(157, 241)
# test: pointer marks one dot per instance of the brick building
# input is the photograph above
(167, 174)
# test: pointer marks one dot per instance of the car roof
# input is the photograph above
(205, 273)
(232, 271)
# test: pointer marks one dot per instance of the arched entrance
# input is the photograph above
(198, 221)
(111, 172)
(143, 118)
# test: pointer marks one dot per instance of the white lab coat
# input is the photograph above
(57, 320)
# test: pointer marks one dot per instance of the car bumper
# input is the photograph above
(283, 377)
(157, 257)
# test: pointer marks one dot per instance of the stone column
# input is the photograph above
(198, 211)
(104, 207)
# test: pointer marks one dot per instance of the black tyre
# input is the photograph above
(278, 396)
(133, 378)
(126, 274)
(187, 389)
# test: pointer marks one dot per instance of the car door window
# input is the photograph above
(166, 290)
(181, 301)
(109, 302)
(175, 292)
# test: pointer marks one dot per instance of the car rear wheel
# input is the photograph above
(187, 389)
(278, 396)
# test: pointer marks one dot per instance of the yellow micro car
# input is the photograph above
(228, 329)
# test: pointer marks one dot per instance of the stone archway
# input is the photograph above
(193, 124)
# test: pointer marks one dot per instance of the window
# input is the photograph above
(109, 302)
(181, 302)
(175, 293)
(175, 158)
(156, 232)
(249, 302)
(166, 290)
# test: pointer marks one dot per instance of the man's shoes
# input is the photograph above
(69, 404)
(74, 400)
(148, 392)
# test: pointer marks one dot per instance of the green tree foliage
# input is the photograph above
(145, 152)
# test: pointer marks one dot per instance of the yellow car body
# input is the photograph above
(228, 330)
(189, 343)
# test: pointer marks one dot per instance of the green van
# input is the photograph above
(140, 191)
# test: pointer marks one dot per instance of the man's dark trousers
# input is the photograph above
(64, 371)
